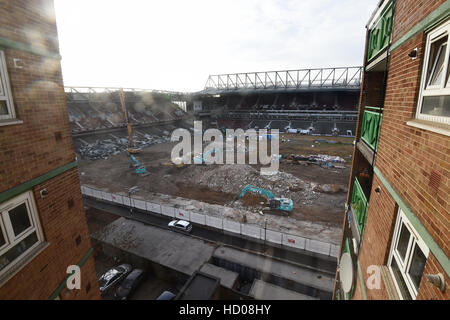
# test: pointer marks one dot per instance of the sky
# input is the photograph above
(176, 44)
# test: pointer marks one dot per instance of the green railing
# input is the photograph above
(380, 35)
(371, 125)
(359, 205)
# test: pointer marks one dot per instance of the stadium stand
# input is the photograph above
(92, 110)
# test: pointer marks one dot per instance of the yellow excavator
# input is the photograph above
(132, 149)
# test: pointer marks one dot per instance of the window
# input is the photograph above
(434, 97)
(19, 230)
(407, 258)
(6, 102)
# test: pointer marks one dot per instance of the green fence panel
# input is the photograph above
(359, 204)
(380, 35)
(370, 131)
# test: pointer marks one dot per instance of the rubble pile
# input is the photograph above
(233, 178)
(102, 149)
(322, 160)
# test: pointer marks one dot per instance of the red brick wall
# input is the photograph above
(31, 149)
(408, 156)
(428, 291)
(380, 226)
(61, 226)
(40, 144)
(409, 12)
(378, 233)
(31, 22)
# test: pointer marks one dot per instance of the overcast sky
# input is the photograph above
(176, 44)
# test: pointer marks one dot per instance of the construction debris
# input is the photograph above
(323, 160)
(102, 149)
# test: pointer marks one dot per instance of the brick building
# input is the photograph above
(395, 241)
(43, 227)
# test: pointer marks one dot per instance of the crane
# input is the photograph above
(131, 147)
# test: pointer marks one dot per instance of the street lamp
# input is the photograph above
(131, 191)
(265, 233)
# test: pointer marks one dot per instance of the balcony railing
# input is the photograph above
(370, 130)
(380, 35)
(359, 205)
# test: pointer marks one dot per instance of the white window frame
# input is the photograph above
(405, 265)
(442, 31)
(8, 233)
(5, 89)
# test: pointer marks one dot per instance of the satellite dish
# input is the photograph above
(346, 272)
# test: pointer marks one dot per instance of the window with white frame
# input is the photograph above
(407, 258)
(20, 230)
(6, 102)
(434, 97)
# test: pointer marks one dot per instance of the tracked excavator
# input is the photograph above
(276, 205)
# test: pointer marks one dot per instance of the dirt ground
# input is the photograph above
(318, 193)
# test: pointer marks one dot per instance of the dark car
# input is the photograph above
(113, 276)
(130, 284)
(166, 295)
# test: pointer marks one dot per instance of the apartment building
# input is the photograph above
(395, 241)
(43, 229)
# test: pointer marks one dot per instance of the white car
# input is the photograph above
(181, 225)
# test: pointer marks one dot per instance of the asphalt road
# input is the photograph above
(316, 262)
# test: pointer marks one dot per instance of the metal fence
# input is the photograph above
(345, 77)
(248, 230)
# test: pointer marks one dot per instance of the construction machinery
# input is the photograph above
(283, 205)
(132, 149)
(137, 165)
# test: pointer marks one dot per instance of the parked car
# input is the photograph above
(181, 225)
(130, 284)
(113, 276)
(166, 295)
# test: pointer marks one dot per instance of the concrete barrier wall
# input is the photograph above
(317, 246)
(126, 201)
(198, 218)
(214, 222)
(106, 196)
(168, 211)
(290, 240)
(249, 230)
(97, 194)
(231, 226)
(86, 191)
(334, 251)
(117, 198)
(182, 214)
(153, 207)
(274, 236)
(139, 204)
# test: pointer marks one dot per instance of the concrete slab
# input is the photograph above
(227, 278)
(199, 287)
(168, 248)
(266, 291)
(281, 269)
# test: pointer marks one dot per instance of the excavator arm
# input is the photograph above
(249, 188)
